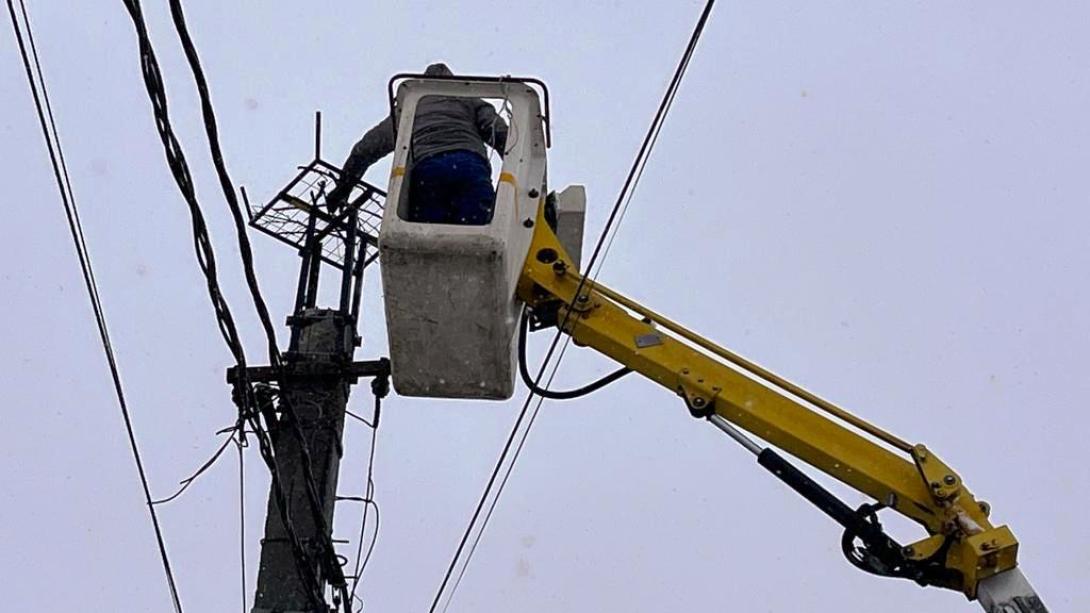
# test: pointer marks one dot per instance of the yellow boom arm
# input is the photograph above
(961, 548)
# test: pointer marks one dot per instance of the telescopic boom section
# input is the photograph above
(962, 547)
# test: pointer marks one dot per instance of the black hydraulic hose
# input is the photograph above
(554, 395)
(881, 555)
(809, 489)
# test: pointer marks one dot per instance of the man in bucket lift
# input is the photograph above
(450, 178)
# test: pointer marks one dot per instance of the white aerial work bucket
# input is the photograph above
(449, 290)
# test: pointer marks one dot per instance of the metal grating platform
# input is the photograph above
(287, 217)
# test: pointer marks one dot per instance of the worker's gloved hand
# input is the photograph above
(337, 198)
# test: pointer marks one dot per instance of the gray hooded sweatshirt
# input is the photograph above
(442, 124)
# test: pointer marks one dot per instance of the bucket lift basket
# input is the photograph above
(449, 289)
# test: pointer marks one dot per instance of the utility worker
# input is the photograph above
(450, 178)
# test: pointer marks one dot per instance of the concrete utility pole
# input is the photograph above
(319, 405)
(317, 391)
(314, 381)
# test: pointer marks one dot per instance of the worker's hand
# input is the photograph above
(338, 197)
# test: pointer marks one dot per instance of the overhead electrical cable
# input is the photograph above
(240, 443)
(507, 473)
(206, 260)
(359, 418)
(640, 163)
(212, 132)
(208, 114)
(191, 479)
(60, 172)
(631, 180)
(500, 463)
(369, 495)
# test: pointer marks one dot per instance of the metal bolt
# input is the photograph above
(935, 485)
(698, 402)
(583, 298)
(949, 479)
(985, 508)
(533, 193)
(559, 267)
(909, 551)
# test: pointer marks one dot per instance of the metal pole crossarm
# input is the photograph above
(962, 548)
(350, 372)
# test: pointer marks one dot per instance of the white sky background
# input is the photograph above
(884, 201)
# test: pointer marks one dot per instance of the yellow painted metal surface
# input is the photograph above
(907, 478)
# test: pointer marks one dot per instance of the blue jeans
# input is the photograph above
(452, 187)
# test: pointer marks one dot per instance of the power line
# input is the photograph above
(240, 443)
(64, 186)
(191, 479)
(369, 495)
(507, 473)
(361, 565)
(635, 172)
(212, 132)
(492, 479)
(359, 418)
(620, 206)
(206, 259)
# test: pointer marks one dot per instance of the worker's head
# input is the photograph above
(438, 69)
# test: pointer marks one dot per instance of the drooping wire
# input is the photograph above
(635, 172)
(240, 444)
(212, 132)
(368, 503)
(191, 479)
(369, 496)
(60, 173)
(359, 418)
(374, 540)
(244, 393)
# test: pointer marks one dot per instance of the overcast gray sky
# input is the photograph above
(885, 201)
